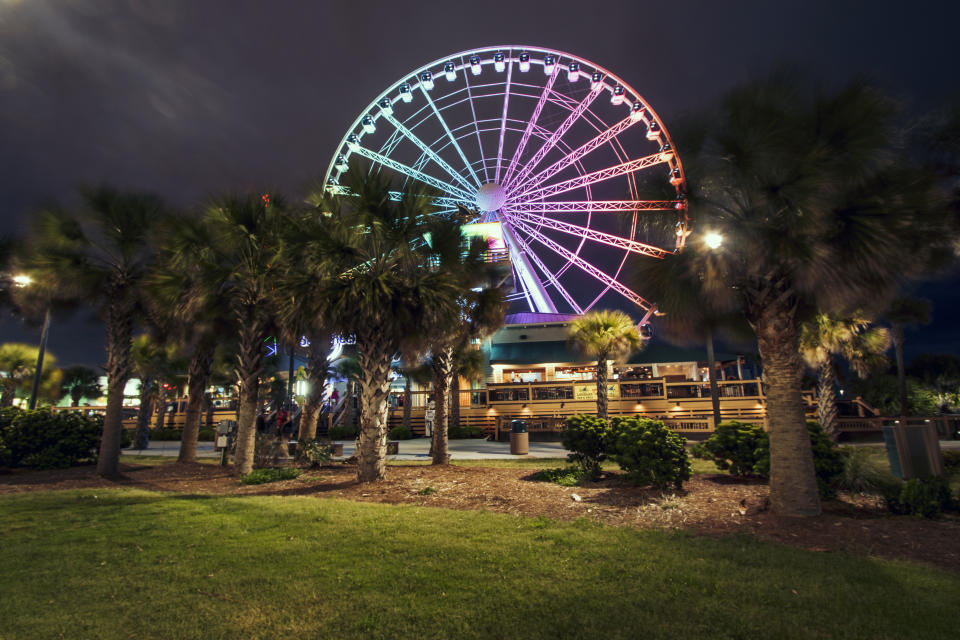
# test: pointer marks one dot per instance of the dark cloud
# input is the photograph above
(190, 98)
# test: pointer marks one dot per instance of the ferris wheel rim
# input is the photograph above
(510, 55)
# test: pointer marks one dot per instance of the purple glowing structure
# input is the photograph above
(573, 166)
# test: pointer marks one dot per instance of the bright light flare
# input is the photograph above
(713, 240)
(22, 280)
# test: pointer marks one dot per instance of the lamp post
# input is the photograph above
(713, 241)
(23, 280)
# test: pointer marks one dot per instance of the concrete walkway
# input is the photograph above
(419, 448)
(416, 449)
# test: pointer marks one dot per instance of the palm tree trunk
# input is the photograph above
(162, 416)
(602, 386)
(407, 399)
(248, 373)
(454, 398)
(827, 399)
(317, 377)
(712, 376)
(199, 375)
(793, 483)
(373, 357)
(442, 367)
(901, 371)
(141, 437)
(119, 335)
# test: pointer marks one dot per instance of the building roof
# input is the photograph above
(537, 318)
(561, 351)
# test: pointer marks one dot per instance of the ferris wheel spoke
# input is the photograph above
(576, 154)
(551, 277)
(595, 177)
(413, 173)
(503, 121)
(430, 153)
(444, 202)
(585, 266)
(551, 142)
(536, 296)
(596, 206)
(608, 239)
(453, 139)
(531, 123)
(476, 126)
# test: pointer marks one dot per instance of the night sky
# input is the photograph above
(192, 98)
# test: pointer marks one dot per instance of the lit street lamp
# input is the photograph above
(20, 281)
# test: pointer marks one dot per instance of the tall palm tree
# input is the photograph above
(605, 335)
(186, 301)
(80, 382)
(823, 339)
(236, 267)
(382, 286)
(902, 313)
(99, 257)
(818, 210)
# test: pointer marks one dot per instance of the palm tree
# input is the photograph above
(687, 312)
(80, 382)
(99, 257)
(818, 210)
(235, 269)
(382, 286)
(902, 313)
(825, 337)
(186, 301)
(605, 335)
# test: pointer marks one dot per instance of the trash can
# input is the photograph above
(519, 438)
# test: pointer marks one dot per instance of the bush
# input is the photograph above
(649, 451)
(951, 460)
(925, 497)
(168, 434)
(343, 432)
(861, 474)
(569, 476)
(316, 452)
(736, 447)
(465, 432)
(399, 433)
(262, 476)
(586, 437)
(47, 440)
(126, 438)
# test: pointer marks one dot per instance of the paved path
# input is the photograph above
(416, 449)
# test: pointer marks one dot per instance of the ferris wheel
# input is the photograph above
(565, 164)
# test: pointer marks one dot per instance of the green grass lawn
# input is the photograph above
(136, 564)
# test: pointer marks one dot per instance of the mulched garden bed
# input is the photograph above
(711, 505)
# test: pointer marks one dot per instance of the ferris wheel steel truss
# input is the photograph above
(510, 162)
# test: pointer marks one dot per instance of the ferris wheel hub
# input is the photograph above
(491, 196)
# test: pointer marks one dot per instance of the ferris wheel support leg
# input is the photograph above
(531, 284)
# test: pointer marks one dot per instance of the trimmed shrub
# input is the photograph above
(569, 476)
(316, 452)
(262, 476)
(399, 433)
(951, 460)
(343, 432)
(47, 440)
(466, 432)
(924, 497)
(586, 437)
(736, 447)
(649, 451)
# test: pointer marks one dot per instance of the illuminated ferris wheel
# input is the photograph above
(567, 166)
